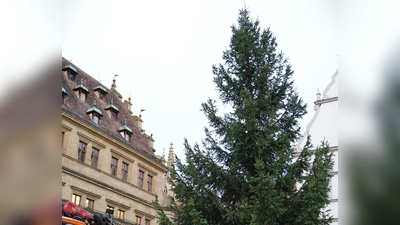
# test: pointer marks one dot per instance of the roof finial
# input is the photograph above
(125, 122)
(113, 84)
(142, 110)
(129, 97)
(112, 101)
(318, 95)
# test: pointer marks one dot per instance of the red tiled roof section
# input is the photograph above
(78, 107)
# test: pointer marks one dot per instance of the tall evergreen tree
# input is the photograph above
(246, 172)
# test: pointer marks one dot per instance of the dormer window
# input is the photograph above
(112, 110)
(101, 92)
(70, 72)
(125, 132)
(113, 115)
(64, 93)
(94, 114)
(81, 91)
(95, 118)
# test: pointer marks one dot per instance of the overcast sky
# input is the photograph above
(163, 52)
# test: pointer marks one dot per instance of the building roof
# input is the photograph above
(78, 109)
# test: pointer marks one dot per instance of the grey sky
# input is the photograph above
(163, 52)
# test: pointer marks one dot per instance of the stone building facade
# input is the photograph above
(108, 161)
(324, 126)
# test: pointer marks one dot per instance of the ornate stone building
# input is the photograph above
(324, 126)
(108, 161)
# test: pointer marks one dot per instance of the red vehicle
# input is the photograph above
(73, 211)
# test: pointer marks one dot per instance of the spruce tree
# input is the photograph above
(245, 172)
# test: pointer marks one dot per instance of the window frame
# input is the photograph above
(74, 197)
(82, 152)
(101, 95)
(71, 75)
(113, 115)
(114, 172)
(127, 137)
(87, 203)
(138, 219)
(96, 118)
(121, 212)
(140, 178)
(80, 94)
(124, 170)
(149, 182)
(95, 157)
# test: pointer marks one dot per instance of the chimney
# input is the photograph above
(150, 141)
(139, 121)
(128, 105)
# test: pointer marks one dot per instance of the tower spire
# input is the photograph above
(171, 155)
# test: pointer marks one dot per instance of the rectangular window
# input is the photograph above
(95, 157)
(89, 203)
(110, 208)
(147, 222)
(140, 178)
(71, 76)
(82, 95)
(149, 182)
(124, 171)
(76, 199)
(81, 151)
(101, 95)
(121, 214)
(126, 136)
(113, 115)
(114, 162)
(95, 118)
(138, 220)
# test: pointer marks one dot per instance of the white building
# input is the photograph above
(324, 126)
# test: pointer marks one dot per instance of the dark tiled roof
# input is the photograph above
(77, 108)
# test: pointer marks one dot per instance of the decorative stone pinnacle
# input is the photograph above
(113, 84)
(318, 95)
